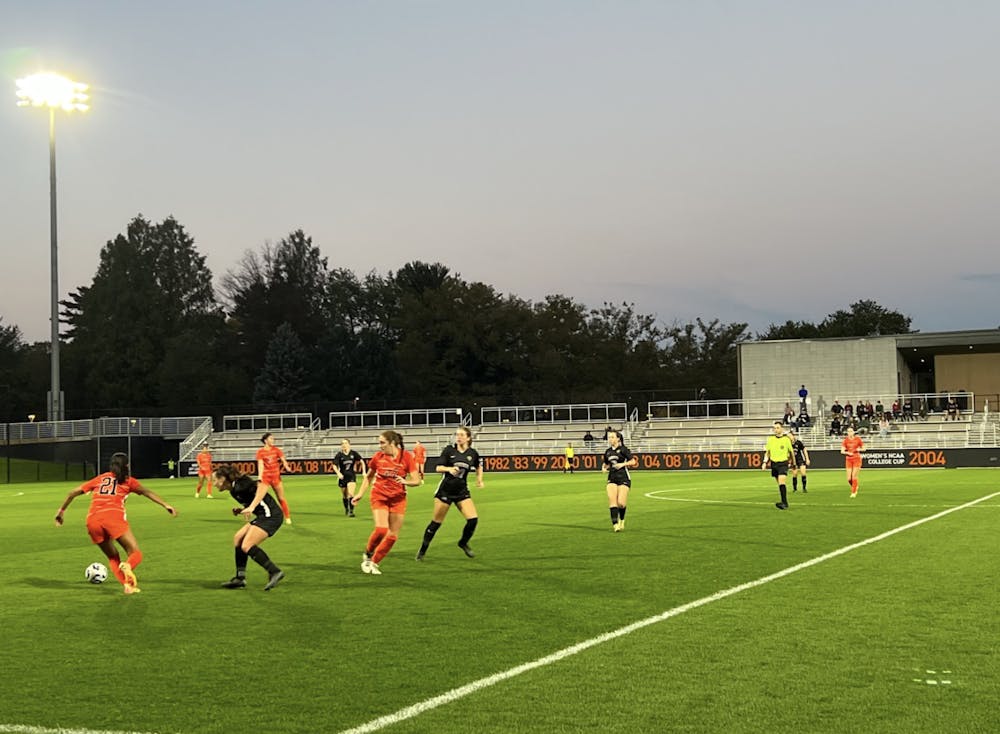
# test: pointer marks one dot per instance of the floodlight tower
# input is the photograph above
(55, 92)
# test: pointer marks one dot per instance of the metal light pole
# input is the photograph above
(56, 93)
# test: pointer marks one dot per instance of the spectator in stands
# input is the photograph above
(588, 439)
(803, 420)
(853, 424)
(803, 394)
(837, 410)
(869, 409)
(952, 409)
(883, 426)
(835, 426)
(789, 414)
(607, 431)
(848, 411)
(703, 394)
(907, 409)
(922, 410)
(896, 412)
(859, 410)
(879, 409)
(865, 425)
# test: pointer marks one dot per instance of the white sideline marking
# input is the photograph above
(468, 689)
(26, 729)
(655, 495)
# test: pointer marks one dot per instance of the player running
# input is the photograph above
(454, 466)
(390, 472)
(106, 520)
(801, 462)
(617, 461)
(254, 500)
(346, 464)
(852, 447)
(204, 459)
(420, 456)
(779, 454)
(270, 460)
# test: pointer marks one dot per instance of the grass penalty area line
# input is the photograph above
(455, 694)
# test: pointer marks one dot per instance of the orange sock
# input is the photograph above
(116, 569)
(384, 547)
(284, 508)
(134, 559)
(375, 539)
(854, 485)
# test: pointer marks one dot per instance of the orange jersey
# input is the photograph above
(271, 456)
(108, 495)
(387, 469)
(851, 446)
(420, 454)
(204, 459)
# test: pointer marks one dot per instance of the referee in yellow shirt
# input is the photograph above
(569, 459)
(778, 455)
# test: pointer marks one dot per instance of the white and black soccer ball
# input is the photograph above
(96, 573)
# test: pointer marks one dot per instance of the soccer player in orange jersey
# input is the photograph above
(390, 472)
(851, 447)
(204, 459)
(106, 521)
(420, 456)
(270, 460)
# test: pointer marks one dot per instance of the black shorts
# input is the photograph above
(800, 462)
(779, 468)
(347, 479)
(454, 496)
(620, 480)
(270, 525)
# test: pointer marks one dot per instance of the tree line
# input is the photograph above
(288, 330)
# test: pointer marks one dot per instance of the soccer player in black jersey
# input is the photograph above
(346, 464)
(801, 462)
(454, 466)
(256, 501)
(617, 461)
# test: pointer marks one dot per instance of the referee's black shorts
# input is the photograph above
(779, 469)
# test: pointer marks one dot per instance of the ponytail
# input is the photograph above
(119, 467)
(395, 438)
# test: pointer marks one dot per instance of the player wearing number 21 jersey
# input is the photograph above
(107, 522)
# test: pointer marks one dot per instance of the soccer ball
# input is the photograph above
(96, 573)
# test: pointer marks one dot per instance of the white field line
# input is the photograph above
(478, 685)
(25, 729)
(656, 495)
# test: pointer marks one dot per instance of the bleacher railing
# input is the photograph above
(171, 427)
(267, 422)
(396, 418)
(775, 407)
(195, 439)
(610, 413)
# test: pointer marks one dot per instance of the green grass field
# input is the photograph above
(847, 645)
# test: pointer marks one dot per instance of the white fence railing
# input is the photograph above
(267, 422)
(611, 413)
(171, 427)
(196, 438)
(396, 418)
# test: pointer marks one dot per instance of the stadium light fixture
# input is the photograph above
(54, 92)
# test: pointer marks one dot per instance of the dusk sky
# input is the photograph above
(751, 161)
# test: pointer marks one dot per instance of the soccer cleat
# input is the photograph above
(236, 582)
(805, 491)
(288, 521)
(197, 495)
(420, 556)
(132, 589)
(853, 495)
(208, 497)
(350, 513)
(781, 505)
(795, 489)
(366, 562)
(617, 527)
(273, 579)
(373, 569)
(467, 550)
(621, 525)
(129, 575)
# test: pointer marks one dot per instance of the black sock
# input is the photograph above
(241, 563)
(803, 484)
(621, 513)
(468, 530)
(257, 553)
(614, 515)
(784, 494)
(432, 527)
(347, 504)
(795, 482)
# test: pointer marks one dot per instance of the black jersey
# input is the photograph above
(619, 455)
(245, 489)
(466, 461)
(800, 451)
(348, 463)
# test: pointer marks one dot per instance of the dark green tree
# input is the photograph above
(283, 377)
(865, 318)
